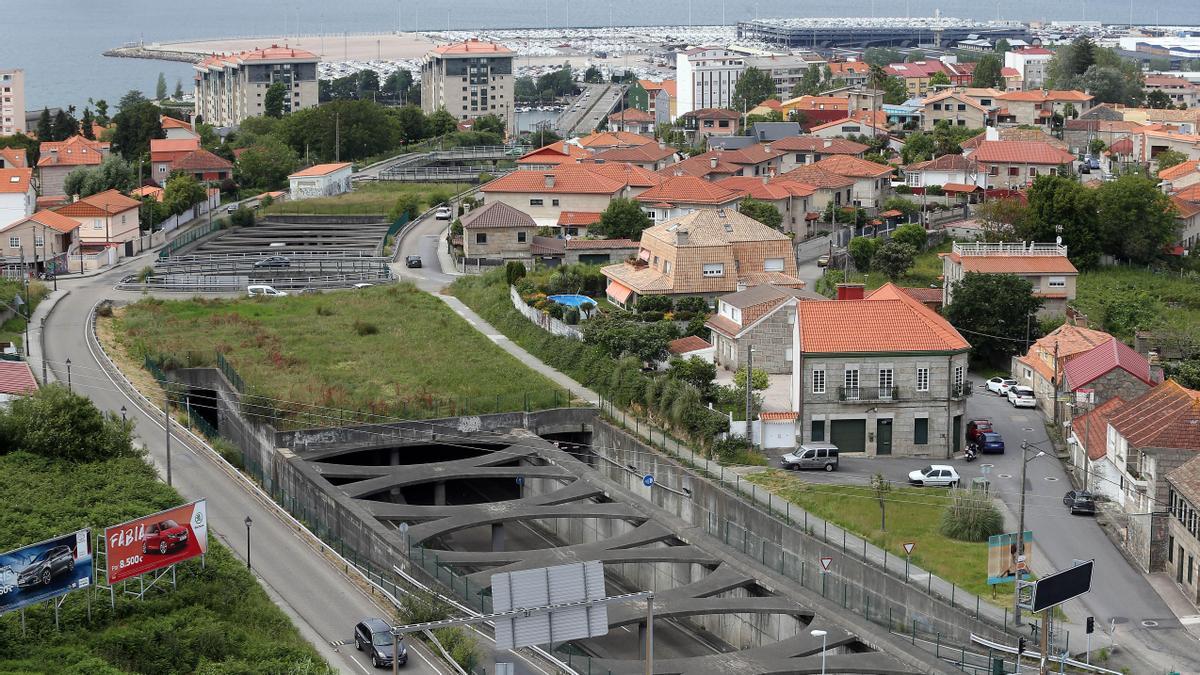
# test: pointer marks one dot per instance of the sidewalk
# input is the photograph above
(36, 322)
(1181, 607)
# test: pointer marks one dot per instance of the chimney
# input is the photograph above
(566, 148)
(662, 145)
(681, 237)
(850, 291)
(765, 178)
(767, 147)
(549, 180)
(828, 143)
(712, 162)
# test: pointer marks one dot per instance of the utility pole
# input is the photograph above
(1044, 644)
(749, 394)
(167, 424)
(650, 634)
(337, 137)
(44, 380)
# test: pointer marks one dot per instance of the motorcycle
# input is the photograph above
(972, 452)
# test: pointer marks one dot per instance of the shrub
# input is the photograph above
(971, 516)
(571, 316)
(364, 328)
(651, 317)
(654, 303)
(322, 310)
(556, 310)
(226, 449)
(59, 424)
(682, 315)
(935, 190)
(585, 308)
(912, 234)
(903, 190)
(692, 304)
(514, 270)
(145, 273)
(243, 217)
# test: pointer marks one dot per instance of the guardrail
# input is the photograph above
(441, 173)
(227, 284)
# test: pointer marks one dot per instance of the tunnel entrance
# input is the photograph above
(201, 403)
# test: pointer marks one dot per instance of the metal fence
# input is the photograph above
(187, 238)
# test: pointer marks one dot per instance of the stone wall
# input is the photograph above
(1117, 382)
(771, 339)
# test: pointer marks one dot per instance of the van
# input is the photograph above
(811, 456)
(263, 291)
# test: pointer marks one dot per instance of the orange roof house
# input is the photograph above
(1045, 265)
(13, 158)
(563, 152)
(75, 151)
(107, 217)
(613, 139)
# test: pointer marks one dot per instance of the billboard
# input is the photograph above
(1062, 586)
(1002, 560)
(156, 541)
(45, 570)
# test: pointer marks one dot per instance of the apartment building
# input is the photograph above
(468, 79)
(1182, 91)
(230, 88)
(1038, 107)
(1030, 63)
(1045, 266)
(786, 70)
(12, 102)
(705, 77)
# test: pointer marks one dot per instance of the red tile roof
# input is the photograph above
(818, 177)
(472, 46)
(772, 191)
(701, 166)
(626, 174)
(688, 190)
(1167, 416)
(950, 162)
(16, 378)
(1179, 170)
(1038, 95)
(52, 220)
(778, 416)
(1113, 354)
(75, 151)
(818, 103)
(828, 146)
(15, 180)
(688, 343)
(599, 244)
(497, 214)
(164, 145)
(889, 320)
(201, 160)
(632, 115)
(1185, 208)
(320, 170)
(172, 123)
(1021, 152)
(13, 158)
(613, 139)
(653, 87)
(1190, 193)
(567, 179)
(576, 218)
(272, 53)
(713, 114)
(650, 152)
(855, 167)
(101, 204)
(1092, 427)
(1015, 264)
(928, 296)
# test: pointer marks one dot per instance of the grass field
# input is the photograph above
(388, 350)
(367, 198)
(1163, 300)
(13, 330)
(913, 515)
(926, 269)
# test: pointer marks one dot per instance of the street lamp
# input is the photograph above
(1025, 460)
(69, 388)
(821, 634)
(249, 522)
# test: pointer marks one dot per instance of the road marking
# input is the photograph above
(360, 666)
(338, 643)
(1190, 620)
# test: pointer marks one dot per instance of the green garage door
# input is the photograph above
(849, 435)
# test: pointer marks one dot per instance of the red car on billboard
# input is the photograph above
(156, 541)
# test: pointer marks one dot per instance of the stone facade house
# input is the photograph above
(1011, 164)
(881, 375)
(498, 230)
(763, 316)
(954, 108)
(1045, 266)
(553, 251)
(59, 158)
(1042, 367)
(1183, 528)
(544, 195)
(1111, 370)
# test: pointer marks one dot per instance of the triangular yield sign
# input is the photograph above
(826, 561)
(909, 547)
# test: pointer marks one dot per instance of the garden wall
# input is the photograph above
(542, 319)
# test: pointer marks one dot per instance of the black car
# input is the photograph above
(375, 637)
(273, 261)
(412, 261)
(1080, 501)
(52, 562)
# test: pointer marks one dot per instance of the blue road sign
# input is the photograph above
(648, 480)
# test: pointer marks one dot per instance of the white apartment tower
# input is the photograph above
(12, 102)
(231, 88)
(705, 77)
(469, 79)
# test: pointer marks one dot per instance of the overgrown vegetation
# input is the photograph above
(1123, 300)
(370, 198)
(971, 516)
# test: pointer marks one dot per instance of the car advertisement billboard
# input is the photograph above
(45, 570)
(156, 541)
(1003, 560)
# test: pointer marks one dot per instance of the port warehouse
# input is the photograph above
(877, 33)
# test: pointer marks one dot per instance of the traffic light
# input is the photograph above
(1091, 624)
(1020, 646)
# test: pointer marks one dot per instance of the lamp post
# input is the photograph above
(69, 388)
(821, 634)
(249, 522)
(1025, 460)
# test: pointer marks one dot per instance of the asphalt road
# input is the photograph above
(591, 111)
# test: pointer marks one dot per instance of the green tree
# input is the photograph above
(918, 147)
(397, 84)
(1002, 46)
(366, 129)
(1169, 158)
(882, 56)
(1061, 206)
(752, 88)
(619, 336)
(64, 126)
(1001, 219)
(592, 75)
(1186, 373)
(131, 98)
(1158, 99)
(622, 219)
(368, 84)
(993, 310)
(160, 88)
(987, 72)
(406, 205)
(939, 79)
(86, 123)
(101, 106)
(696, 371)
(914, 56)
(910, 233)
(893, 258)
(413, 126)
(58, 424)
(45, 126)
(137, 123)
(266, 164)
(114, 173)
(760, 380)
(273, 99)
(763, 212)
(862, 251)
(23, 142)
(181, 193)
(1097, 146)
(489, 124)
(178, 89)
(810, 84)
(894, 90)
(525, 88)
(441, 122)
(1136, 219)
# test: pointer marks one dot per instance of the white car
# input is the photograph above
(1000, 385)
(934, 475)
(443, 213)
(262, 290)
(1022, 397)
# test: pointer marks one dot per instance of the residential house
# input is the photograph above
(1088, 449)
(606, 140)
(872, 182)
(944, 170)
(856, 125)
(203, 166)
(497, 230)
(768, 107)
(760, 159)
(16, 381)
(152, 191)
(18, 198)
(164, 152)
(651, 156)
(763, 316)
(1156, 141)
(177, 129)
(709, 166)
(917, 74)
(321, 180)
(633, 121)
(1012, 79)
(956, 109)
(1147, 438)
(707, 252)
(770, 132)
(1180, 176)
(1111, 370)
(803, 150)
(1038, 107)
(661, 100)
(706, 77)
(577, 223)
(552, 155)
(544, 195)
(39, 243)
(1030, 64)
(691, 346)
(59, 158)
(930, 297)
(880, 374)
(706, 122)
(1183, 121)
(1183, 528)
(1044, 265)
(13, 158)
(853, 73)
(1187, 219)
(554, 251)
(679, 195)
(1012, 164)
(106, 219)
(1011, 134)
(830, 187)
(1041, 367)
(1183, 92)
(808, 105)
(789, 197)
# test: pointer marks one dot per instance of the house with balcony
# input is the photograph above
(708, 252)
(1046, 266)
(706, 122)
(1039, 106)
(880, 374)
(791, 198)
(872, 182)
(763, 316)
(955, 108)
(544, 195)
(632, 120)
(679, 195)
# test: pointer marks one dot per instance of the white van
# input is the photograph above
(262, 290)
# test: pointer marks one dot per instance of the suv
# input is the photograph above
(164, 536)
(52, 562)
(990, 442)
(412, 261)
(976, 427)
(1080, 501)
(443, 213)
(811, 457)
(375, 637)
(1022, 397)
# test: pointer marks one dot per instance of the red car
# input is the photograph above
(164, 536)
(977, 427)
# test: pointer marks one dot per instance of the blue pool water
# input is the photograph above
(571, 300)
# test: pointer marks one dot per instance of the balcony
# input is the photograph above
(869, 394)
(960, 391)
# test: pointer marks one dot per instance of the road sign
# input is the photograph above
(1062, 586)
(561, 584)
(648, 480)
(826, 561)
(908, 547)
(402, 528)
(520, 482)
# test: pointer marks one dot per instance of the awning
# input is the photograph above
(619, 291)
(644, 254)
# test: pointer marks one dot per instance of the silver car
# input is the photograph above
(812, 456)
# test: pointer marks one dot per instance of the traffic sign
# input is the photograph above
(908, 547)
(520, 480)
(648, 480)
(402, 528)
(826, 561)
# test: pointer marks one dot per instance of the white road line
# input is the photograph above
(360, 666)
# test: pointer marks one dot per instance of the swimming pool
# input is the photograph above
(571, 300)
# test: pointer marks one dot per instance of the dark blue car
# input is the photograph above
(991, 443)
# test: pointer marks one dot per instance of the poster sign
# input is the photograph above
(1003, 561)
(45, 570)
(156, 541)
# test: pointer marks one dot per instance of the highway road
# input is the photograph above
(589, 109)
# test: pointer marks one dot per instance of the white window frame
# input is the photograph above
(14, 242)
(958, 378)
(818, 380)
(713, 270)
(923, 378)
(848, 375)
(38, 240)
(887, 380)
(773, 265)
(1056, 282)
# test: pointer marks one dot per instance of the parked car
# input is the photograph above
(976, 427)
(823, 261)
(363, 285)
(273, 261)
(54, 561)
(812, 456)
(1080, 501)
(375, 637)
(1022, 397)
(1000, 385)
(412, 261)
(990, 443)
(443, 213)
(262, 290)
(164, 536)
(934, 475)
(232, 208)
